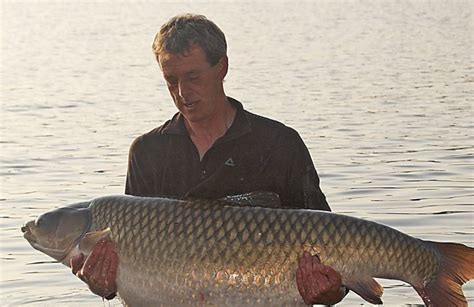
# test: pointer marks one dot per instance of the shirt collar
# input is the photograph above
(240, 125)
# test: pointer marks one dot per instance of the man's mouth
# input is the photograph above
(190, 105)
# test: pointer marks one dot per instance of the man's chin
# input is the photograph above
(192, 115)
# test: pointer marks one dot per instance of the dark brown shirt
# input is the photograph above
(255, 154)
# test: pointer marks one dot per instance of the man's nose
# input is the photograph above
(183, 89)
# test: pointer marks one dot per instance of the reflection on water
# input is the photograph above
(381, 93)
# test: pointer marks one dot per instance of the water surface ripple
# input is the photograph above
(380, 91)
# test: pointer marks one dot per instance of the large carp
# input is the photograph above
(196, 252)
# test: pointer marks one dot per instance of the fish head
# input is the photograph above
(57, 233)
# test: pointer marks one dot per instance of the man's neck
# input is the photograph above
(205, 133)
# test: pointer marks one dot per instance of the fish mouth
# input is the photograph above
(27, 234)
(57, 233)
(25, 229)
(31, 238)
(57, 254)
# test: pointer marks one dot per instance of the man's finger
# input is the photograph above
(104, 269)
(311, 277)
(109, 269)
(76, 263)
(316, 279)
(301, 282)
(316, 258)
(308, 265)
(94, 260)
(322, 283)
(112, 272)
(332, 276)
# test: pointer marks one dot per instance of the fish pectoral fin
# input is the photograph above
(91, 238)
(255, 199)
(368, 288)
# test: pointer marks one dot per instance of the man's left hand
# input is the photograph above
(318, 283)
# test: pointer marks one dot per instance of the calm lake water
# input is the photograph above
(381, 92)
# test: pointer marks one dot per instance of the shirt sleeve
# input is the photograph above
(139, 180)
(314, 197)
(304, 183)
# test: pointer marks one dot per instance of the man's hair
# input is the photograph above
(182, 31)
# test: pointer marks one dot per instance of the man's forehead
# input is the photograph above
(194, 54)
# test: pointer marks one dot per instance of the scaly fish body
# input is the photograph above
(174, 252)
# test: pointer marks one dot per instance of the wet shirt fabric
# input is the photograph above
(255, 154)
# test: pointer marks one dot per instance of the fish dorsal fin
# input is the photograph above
(255, 199)
(368, 288)
(91, 238)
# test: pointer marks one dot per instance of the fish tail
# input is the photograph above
(456, 268)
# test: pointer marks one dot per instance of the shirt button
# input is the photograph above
(203, 175)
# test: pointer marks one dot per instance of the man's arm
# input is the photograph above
(99, 269)
(301, 185)
(139, 180)
(316, 282)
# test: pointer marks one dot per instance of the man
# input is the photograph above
(213, 148)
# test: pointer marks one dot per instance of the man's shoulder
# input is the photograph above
(269, 126)
(154, 137)
(260, 124)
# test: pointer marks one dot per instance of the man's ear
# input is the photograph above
(223, 66)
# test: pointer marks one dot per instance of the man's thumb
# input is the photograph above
(76, 263)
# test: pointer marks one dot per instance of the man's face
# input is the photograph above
(194, 84)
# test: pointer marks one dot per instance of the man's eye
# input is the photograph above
(193, 77)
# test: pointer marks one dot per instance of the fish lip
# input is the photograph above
(27, 234)
(29, 237)
(26, 227)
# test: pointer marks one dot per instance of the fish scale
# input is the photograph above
(232, 243)
(220, 253)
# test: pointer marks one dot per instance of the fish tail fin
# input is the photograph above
(456, 268)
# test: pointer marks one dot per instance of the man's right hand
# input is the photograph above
(99, 269)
